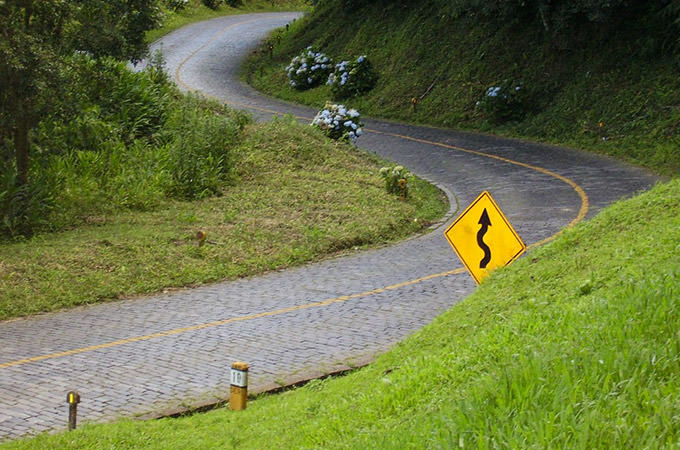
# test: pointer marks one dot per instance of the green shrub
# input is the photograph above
(199, 162)
(507, 101)
(141, 178)
(22, 208)
(338, 122)
(137, 102)
(212, 4)
(176, 5)
(309, 69)
(116, 140)
(396, 180)
(351, 78)
(104, 100)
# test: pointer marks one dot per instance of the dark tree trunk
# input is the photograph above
(21, 150)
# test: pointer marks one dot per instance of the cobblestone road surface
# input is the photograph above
(130, 358)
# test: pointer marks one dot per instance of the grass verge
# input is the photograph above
(575, 345)
(298, 197)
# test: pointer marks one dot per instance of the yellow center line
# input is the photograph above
(218, 323)
(178, 76)
(585, 203)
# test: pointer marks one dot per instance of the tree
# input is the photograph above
(35, 35)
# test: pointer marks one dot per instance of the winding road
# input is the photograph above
(172, 351)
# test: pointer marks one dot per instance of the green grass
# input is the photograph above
(571, 91)
(298, 197)
(196, 11)
(575, 345)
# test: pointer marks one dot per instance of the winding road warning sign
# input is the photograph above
(483, 238)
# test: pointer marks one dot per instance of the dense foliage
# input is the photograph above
(564, 21)
(214, 4)
(116, 139)
(353, 77)
(81, 134)
(37, 39)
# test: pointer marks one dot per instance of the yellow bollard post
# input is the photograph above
(238, 395)
(402, 185)
(73, 398)
(200, 237)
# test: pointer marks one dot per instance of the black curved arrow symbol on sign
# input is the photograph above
(485, 223)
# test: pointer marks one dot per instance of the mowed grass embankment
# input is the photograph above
(296, 197)
(575, 345)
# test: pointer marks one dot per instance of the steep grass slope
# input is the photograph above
(617, 94)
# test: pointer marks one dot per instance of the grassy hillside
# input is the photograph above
(618, 94)
(575, 345)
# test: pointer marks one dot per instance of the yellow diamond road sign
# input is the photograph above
(483, 238)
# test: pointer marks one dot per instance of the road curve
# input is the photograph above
(138, 356)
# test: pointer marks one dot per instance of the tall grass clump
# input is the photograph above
(199, 163)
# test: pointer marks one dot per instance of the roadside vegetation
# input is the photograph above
(106, 175)
(575, 345)
(291, 197)
(593, 75)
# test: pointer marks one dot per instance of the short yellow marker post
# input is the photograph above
(73, 398)
(402, 185)
(238, 395)
(414, 102)
(200, 237)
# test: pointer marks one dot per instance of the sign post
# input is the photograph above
(483, 238)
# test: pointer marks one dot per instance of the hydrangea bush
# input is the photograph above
(396, 180)
(350, 78)
(506, 101)
(338, 122)
(309, 69)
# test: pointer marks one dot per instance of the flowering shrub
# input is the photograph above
(176, 5)
(309, 69)
(338, 122)
(504, 102)
(352, 78)
(396, 180)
